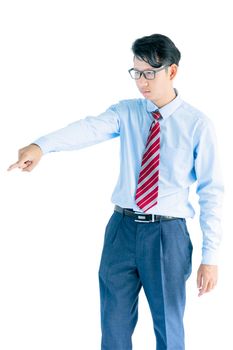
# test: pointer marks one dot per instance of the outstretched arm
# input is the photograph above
(82, 133)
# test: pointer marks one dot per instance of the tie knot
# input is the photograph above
(156, 114)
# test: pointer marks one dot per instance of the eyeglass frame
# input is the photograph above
(147, 70)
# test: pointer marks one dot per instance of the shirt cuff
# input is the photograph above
(41, 142)
(209, 258)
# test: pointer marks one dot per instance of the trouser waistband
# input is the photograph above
(142, 217)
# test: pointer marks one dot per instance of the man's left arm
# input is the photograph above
(210, 191)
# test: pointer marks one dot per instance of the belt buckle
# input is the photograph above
(141, 217)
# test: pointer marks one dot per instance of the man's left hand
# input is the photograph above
(207, 277)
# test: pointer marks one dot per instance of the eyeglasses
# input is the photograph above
(148, 74)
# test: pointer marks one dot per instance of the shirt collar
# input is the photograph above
(166, 110)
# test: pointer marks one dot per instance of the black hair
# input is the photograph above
(157, 50)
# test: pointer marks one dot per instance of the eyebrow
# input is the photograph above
(143, 69)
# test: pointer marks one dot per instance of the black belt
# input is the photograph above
(141, 217)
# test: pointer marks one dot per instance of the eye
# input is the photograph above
(136, 74)
(150, 74)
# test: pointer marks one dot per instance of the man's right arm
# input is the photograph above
(80, 134)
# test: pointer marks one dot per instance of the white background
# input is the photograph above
(60, 61)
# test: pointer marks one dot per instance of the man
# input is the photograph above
(166, 146)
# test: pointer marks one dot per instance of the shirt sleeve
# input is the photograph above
(210, 191)
(82, 133)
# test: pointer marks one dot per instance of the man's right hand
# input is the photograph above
(28, 158)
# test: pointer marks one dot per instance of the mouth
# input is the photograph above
(144, 92)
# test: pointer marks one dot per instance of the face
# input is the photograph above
(160, 89)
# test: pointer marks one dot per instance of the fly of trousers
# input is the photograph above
(155, 256)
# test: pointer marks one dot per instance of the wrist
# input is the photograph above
(37, 147)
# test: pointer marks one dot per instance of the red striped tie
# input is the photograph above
(147, 189)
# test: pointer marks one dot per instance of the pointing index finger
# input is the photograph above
(13, 166)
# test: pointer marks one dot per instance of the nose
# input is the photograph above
(142, 81)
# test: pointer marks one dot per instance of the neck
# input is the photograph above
(160, 102)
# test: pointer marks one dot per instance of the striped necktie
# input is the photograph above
(147, 188)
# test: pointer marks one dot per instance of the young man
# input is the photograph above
(166, 146)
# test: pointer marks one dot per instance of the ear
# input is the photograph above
(173, 71)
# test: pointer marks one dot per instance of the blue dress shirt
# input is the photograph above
(187, 154)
